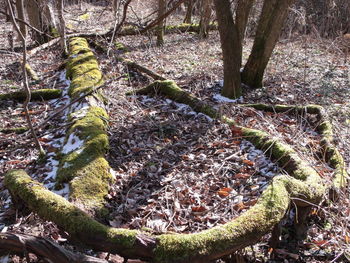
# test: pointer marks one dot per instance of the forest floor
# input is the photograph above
(159, 148)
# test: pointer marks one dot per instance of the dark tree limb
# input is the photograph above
(42, 247)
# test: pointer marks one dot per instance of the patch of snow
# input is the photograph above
(64, 192)
(220, 98)
(113, 173)
(73, 143)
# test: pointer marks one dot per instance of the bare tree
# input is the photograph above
(62, 26)
(160, 31)
(25, 78)
(273, 15)
(205, 18)
(230, 44)
(20, 15)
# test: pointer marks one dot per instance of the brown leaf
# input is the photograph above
(242, 176)
(248, 162)
(198, 209)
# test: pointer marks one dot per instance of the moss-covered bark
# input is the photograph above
(324, 127)
(18, 130)
(304, 184)
(39, 94)
(204, 246)
(86, 169)
(182, 28)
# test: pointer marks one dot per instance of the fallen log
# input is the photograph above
(36, 95)
(85, 168)
(18, 130)
(132, 30)
(325, 128)
(42, 247)
(303, 185)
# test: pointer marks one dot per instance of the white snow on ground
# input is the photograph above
(263, 164)
(220, 98)
(54, 164)
(73, 143)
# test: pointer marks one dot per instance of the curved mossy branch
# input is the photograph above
(332, 155)
(86, 169)
(200, 247)
(36, 95)
(324, 127)
(171, 90)
(279, 151)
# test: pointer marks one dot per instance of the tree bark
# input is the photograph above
(161, 25)
(62, 26)
(273, 15)
(205, 18)
(231, 49)
(20, 15)
(242, 15)
(189, 10)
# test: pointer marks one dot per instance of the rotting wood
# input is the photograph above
(37, 95)
(52, 252)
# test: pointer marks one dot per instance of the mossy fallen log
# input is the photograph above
(200, 247)
(17, 130)
(36, 95)
(333, 157)
(304, 184)
(325, 128)
(132, 30)
(85, 168)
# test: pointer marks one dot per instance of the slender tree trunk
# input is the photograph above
(273, 15)
(161, 25)
(205, 18)
(115, 7)
(242, 15)
(231, 47)
(20, 15)
(25, 80)
(62, 26)
(41, 16)
(189, 10)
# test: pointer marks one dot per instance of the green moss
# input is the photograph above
(121, 47)
(55, 208)
(170, 89)
(39, 95)
(244, 230)
(18, 130)
(87, 170)
(82, 68)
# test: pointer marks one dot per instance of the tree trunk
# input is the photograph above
(189, 10)
(41, 16)
(20, 15)
(62, 26)
(273, 15)
(205, 18)
(231, 47)
(161, 25)
(242, 14)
